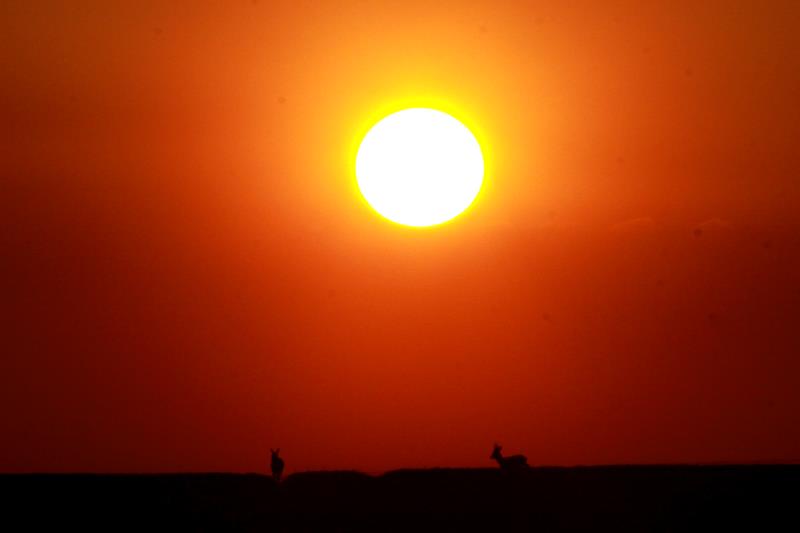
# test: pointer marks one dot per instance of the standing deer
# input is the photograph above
(514, 462)
(276, 464)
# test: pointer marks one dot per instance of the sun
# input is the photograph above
(419, 167)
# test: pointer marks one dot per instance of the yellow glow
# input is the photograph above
(419, 167)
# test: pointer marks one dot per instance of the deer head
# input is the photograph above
(496, 452)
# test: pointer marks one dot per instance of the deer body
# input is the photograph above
(513, 462)
(276, 464)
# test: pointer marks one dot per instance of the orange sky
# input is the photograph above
(189, 277)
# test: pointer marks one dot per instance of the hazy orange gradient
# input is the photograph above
(189, 275)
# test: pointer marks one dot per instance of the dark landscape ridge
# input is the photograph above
(602, 498)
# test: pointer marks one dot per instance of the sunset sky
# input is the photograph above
(189, 275)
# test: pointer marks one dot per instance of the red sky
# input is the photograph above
(189, 277)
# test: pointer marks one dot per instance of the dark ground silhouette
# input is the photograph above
(620, 498)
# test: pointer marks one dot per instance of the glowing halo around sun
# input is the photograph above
(419, 167)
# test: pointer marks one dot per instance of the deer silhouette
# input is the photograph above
(276, 464)
(514, 462)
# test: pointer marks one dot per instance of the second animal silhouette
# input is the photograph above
(276, 464)
(514, 462)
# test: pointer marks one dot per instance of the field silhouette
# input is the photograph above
(614, 498)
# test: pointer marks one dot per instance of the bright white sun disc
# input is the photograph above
(419, 167)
